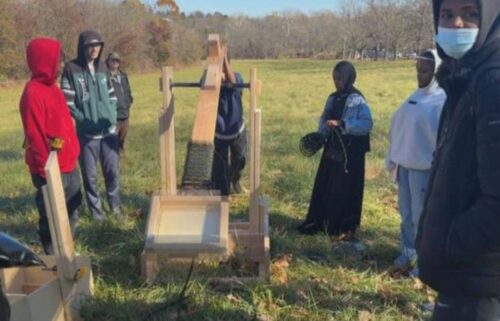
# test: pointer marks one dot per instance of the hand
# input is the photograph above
(333, 123)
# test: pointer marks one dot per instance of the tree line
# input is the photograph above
(150, 36)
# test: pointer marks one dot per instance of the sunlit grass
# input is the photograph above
(293, 96)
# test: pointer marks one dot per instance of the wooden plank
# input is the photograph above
(264, 267)
(153, 224)
(12, 280)
(77, 290)
(254, 192)
(149, 265)
(167, 135)
(206, 115)
(45, 304)
(58, 217)
(214, 45)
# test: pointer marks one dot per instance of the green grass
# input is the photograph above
(293, 95)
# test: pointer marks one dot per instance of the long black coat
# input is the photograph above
(458, 243)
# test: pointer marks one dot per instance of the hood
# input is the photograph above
(489, 31)
(433, 85)
(87, 37)
(42, 56)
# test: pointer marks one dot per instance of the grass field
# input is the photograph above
(321, 286)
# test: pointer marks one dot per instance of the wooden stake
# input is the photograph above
(58, 214)
(254, 151)
(167, 135)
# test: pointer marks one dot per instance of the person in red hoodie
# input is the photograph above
(48, 126)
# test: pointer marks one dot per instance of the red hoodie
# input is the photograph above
(44, 111)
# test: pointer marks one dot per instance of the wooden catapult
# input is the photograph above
(54, 292)
(194, 222)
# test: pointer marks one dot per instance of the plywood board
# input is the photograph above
(191, 223)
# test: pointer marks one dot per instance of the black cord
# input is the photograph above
(335, 131)
(170, 303)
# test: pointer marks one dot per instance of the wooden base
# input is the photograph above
(161, 254)
(38, 294)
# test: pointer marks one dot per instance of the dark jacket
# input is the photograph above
(46, 119)
(123, 94)
(458, 241)
(230, 121)
(91, 99)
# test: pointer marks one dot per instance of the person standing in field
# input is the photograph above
(412, 141)
(120, 82)
(337, 197)
(230, 134)
(92, 101)
(458, 241)
(48, 127)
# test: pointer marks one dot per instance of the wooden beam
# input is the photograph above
(167, 135)
(255, 119)
(57, 213)
(206, 114)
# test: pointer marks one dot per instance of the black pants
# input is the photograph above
(122, 127)
(461, 308)
(71, 184)
(223, 172)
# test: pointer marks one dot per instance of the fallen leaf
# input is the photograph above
(365, 316)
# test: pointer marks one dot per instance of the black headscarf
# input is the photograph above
(348, 72)
(488, 40)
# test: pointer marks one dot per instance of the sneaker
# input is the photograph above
(237, 188)
(47, 248)
(427, 307)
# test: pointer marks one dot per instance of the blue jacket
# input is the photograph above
(230, 121)
(356, 117)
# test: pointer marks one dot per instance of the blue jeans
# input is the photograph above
(104, 151)
(412, 189)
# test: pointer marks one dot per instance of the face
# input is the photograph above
(456, 14)
(60, 65)
(425, 73)
(114, 64)
(338, 80)
(92, 51)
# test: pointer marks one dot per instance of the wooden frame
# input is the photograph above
(249, 238)
(41, 294)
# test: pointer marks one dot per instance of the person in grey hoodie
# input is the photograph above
(412, 143)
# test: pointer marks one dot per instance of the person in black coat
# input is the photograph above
(337, 197)
(120, 82)
(458, 241)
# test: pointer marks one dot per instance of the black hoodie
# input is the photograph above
(91, 98)
(458, 242)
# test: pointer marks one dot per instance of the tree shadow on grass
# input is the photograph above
(8, 155)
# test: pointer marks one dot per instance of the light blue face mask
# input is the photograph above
(456, 42)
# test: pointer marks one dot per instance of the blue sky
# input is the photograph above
(254, 7)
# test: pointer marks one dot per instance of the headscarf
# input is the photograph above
(348, 72)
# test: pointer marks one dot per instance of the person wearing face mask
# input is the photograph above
(412, 141)
(337, 197)
(458, 240)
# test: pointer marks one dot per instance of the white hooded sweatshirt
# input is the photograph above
(414, 127)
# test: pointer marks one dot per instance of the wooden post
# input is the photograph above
(254, 153)
(57, 213)
(167, 135)
(206, 114)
